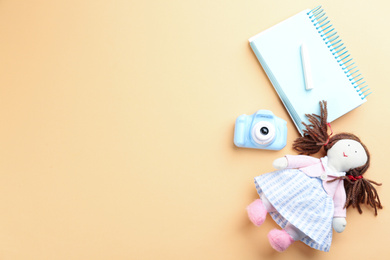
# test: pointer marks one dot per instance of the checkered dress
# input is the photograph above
(302, 201)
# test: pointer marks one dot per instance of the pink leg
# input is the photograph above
(280, 240)
(257, 212)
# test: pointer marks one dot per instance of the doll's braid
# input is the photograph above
(360, 192)
(315, 136)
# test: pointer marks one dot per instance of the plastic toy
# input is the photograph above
(262, 130)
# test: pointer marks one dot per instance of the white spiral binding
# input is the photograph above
(335, 45)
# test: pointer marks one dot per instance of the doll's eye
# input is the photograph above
(349, 145)
(355, 151)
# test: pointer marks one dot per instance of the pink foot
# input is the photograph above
(257, 212)
(280, 240)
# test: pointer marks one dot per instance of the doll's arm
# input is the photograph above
(340, 212)
(294, 162)
(280, 163)
(339, 224)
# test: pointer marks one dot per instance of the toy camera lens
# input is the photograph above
(264, 130)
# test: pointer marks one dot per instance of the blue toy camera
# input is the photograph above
(262, 130)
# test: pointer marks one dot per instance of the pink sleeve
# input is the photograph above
(339, 201)
(299, 161)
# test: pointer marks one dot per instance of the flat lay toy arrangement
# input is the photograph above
(318, 82)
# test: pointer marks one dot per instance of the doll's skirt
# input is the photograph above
(302, 201)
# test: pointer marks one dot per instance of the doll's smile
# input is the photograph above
(345, 155)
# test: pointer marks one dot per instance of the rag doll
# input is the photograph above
(307, 196)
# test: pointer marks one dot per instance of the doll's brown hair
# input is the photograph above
(359, 190)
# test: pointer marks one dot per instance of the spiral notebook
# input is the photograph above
(335, 76)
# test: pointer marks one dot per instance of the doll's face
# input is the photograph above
(346, 154)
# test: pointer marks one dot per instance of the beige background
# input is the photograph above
(117, 117)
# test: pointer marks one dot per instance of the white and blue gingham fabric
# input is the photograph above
(302, 201)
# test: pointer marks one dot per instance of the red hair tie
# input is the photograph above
(331, 132)
(353, 178)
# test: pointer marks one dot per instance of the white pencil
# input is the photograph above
(306, 67)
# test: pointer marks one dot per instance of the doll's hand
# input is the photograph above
(280, 163)
(339, 224)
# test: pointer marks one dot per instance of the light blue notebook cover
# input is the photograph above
(335, 76)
